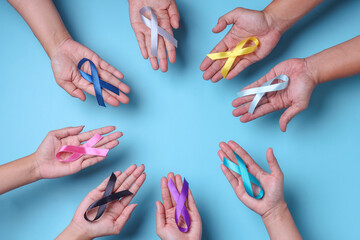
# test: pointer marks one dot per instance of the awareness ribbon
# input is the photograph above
(231, 55)
(78, 151)
(266, 87)
(180, 204)
(107, 198)
(246, 177)
(155, 30)
(96, 81)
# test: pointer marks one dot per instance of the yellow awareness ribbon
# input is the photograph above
(231, 55)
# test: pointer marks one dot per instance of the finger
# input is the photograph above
(107, 67)
(172, 177)
(245, 108)
(165, 194)
(130, 180)
(228, 151)
(124, 217)
(153, 59)
(174, 15)
(273, 163)
(120, 180)
(179, 186)
(191, 202)
(110, 78)
(286, 117)
(66, 132)
(207, 62)
(141, 40)
(232, 179)
(223, 155)
(108, 138)
(162, 55)
(165, 24)
(134, 189)
(251, 165)
(85, 136)
(71, 89)
(259, 112)
(239, 67)
(160, 217)
(242, 100)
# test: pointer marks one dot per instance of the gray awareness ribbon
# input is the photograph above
(265, 88)
(155, 30)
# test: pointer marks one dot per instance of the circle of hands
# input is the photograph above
(245, 23)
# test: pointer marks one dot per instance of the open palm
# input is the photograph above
(295, 97)
(245, 23)
(166, 226)
(168, 18)
(117, 213)
(48, 166)
(64, 64)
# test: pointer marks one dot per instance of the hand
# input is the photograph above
(166, 227)
(246, 23)
(295, 97)
(273, 184)
(117, 213)
(168, 17)
(47, 165)
(64, 62)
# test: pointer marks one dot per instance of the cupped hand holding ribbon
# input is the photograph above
(272, 184)
(168, 17)
(166, 226)
(116, 214)
(47, 164)
(295, 97)
(245, 23)
(64, 63)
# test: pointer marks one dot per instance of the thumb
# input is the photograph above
(225, 20)
(160, 217)
(71, 89)
(291, 112)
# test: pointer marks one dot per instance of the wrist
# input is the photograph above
(33, 167)
(276, 214)
(313, 70)
(277, 22)
(73, 232)
(58, 43)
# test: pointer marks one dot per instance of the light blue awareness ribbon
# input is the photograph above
(246, 177)
(265, 88)
(96, 81)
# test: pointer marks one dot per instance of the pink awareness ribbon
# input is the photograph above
(87, 149)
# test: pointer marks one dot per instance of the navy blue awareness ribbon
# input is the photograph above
(96, 81)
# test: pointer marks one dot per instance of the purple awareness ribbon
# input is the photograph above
(155, 30)
(180, 204)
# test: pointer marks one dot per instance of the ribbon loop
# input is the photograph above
(265, 88)
(78, 151)
(107, 198)
(96, 81)
(246, 177)
(180, 200)
(231, 55)
(155, 30)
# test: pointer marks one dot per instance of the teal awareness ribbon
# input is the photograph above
(246, 177)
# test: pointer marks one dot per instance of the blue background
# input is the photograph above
(175, 121)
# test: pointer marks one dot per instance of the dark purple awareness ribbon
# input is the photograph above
(107, 198)
(180, 204)
(96, 81)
